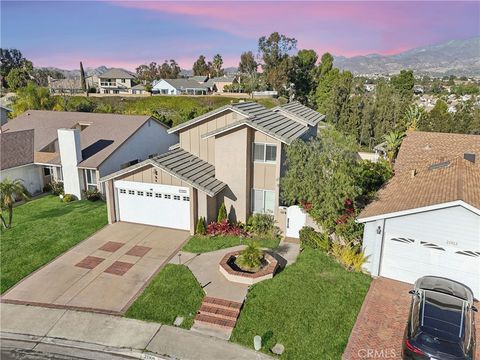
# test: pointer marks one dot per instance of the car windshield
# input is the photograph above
(442, 323)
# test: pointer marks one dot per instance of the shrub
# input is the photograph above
(349, 256)
(93, 194)
(261, 223)
(201, 229)
(69, 198)
(350, 230)
(225, 228)
(222, 213)
(250, 258)
(56, 188)
(309, 238)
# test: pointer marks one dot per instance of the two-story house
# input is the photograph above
(234, 154)
(116, 81)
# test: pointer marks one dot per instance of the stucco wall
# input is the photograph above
(191, 141)
(151, 138)
(31, 175)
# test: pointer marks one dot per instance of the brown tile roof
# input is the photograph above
(41, 157)
(16, 148)
(419, 149)
(103, 135)
(441, 174)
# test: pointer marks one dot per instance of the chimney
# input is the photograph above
(469, 157)
(70, 155)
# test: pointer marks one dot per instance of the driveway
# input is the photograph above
(378, 331)
(104, 273)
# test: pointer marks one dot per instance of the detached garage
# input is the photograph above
(426, 219)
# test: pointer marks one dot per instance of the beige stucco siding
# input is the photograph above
(191, 137)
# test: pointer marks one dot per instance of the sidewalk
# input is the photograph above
(44, 327)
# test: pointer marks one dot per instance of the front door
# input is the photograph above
(296, 219)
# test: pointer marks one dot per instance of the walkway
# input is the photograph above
(42, 328)
(104, 273)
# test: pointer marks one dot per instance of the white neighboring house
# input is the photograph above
(179, 87)
(116, 81)
(78, 148)
(426, 220)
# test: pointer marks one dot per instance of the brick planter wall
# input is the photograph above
(247, 278)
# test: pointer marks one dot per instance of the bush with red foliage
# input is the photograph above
(225, 228)
(348, 212)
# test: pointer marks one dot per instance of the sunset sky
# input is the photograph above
(127, 34)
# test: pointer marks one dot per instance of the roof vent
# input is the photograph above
(413, 173)
(428, 147)
(469, 157)
(440, 165)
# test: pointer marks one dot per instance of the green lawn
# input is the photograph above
(200, 244)
(310, 308)
(43, 229)
(173, 292)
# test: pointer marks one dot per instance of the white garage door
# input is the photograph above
(406, 259)
(153, 204)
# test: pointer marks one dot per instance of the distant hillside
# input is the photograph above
(76, 72)
(456, 57)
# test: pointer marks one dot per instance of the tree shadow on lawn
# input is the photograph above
(79, 208)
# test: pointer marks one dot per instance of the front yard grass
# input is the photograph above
(310, 308)
(173, 292)
(42, 229)
(202, 243)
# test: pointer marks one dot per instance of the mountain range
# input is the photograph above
(456, 57)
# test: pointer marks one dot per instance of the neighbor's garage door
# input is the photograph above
(153, 204)
(407, 259)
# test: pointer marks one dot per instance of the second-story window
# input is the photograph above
(264, 152)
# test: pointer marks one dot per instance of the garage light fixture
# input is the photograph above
(379, 230)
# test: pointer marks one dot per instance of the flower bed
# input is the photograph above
(233, 273)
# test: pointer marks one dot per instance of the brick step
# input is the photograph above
(221, 303)
(215, 321)
(229, 314)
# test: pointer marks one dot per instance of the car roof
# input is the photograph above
(446, 286)
(442, 315)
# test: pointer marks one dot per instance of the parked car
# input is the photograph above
(441, 324)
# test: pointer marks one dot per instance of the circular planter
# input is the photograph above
(232, 273)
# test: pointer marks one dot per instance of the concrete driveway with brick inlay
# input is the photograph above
(378, 331)
(104, 273)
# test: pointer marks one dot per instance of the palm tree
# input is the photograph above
(11, 191)
(413, 116)
(393, 140)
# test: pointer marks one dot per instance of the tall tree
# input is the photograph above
(32, 96)
(217, 64)
(326, 64)
(200, 67)
(13, 59)
(83, 79)
(17, 78)
(302, 74)
(404, 83)
(169, 70)
(148, 73)
(275, 53)
(248, 70)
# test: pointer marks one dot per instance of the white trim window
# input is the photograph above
(263, 201)
(59, 174)
(264, 153)
(90, 179)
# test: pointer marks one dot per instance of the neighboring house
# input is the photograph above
(217, 84)
(70, 86)
(4, 111)
(235, 155)
(19, 164)
(179, 87)
(116, 81)
(78, 148)
(139, 89)
(426, 219)
(199, 78)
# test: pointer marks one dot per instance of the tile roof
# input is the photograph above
(181, 84)
(306, 114)
(116, 73)
(16, 148)
(199, 78)
(183, 165)
(430, 170)
(420, 148)
(103, 135)
(257, 116)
